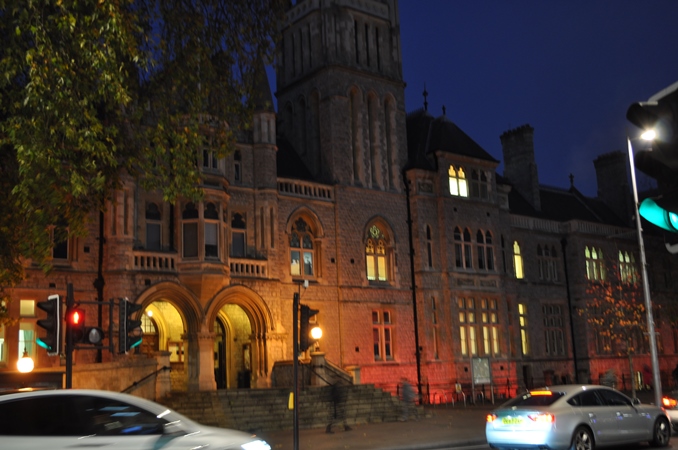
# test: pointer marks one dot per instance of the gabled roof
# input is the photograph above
(427, 135)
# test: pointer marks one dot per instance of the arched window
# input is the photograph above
(480, 185)
(627, 268)
(518, 261)
(458, 183)
(595, 266)
(485, 250)
(462, 249)
(302, 252)
(376, 254)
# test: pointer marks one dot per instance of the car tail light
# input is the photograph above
(542, 418)
(669, 402)
(491, 418)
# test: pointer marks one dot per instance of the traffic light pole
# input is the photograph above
(295, 370)
(652, 337)
(70, 303)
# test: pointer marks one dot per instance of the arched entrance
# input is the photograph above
(241, 322)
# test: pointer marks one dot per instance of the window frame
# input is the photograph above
(382, 335)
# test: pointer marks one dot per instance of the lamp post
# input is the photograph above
(652, 337)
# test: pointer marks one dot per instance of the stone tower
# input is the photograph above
(519, 163)
(614, 189)
(340, 91)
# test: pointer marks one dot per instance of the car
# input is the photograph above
(578, 417)
(670, 404)
(76, 418)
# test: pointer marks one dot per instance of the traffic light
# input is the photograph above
(659, 113)
(52, 324)
(127, 325)
(305, 327)
(76, 322)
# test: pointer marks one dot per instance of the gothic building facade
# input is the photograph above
(421, 259)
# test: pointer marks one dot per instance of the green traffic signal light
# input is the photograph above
(659, 216)
(127, 325)
(52, 325)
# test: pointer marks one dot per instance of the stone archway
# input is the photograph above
(172, 303)
(250, 325)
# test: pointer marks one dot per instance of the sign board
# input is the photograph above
(481, 370)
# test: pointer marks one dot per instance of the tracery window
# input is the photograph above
(627, 268)
(548, 263)
(382, 335)
(595, 266)
(462, 249)
(478, 326)
(376, 254)
(480, 185)
(554, 341)
(458, 182)
(485, 250)
(301, 249)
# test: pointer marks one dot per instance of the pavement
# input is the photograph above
(439, 426)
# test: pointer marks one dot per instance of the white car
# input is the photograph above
(580, 417)
(68, 419)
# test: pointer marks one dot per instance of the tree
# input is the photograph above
(91, 90)
(616, 312)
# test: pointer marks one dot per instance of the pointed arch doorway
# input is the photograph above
(232, 347)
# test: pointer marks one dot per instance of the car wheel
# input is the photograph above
(661, 433)
(582, 439)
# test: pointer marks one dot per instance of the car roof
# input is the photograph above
(571, 388)
(138, 401)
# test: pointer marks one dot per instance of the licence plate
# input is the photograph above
(511, 420)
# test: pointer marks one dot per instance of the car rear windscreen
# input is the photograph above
(540, 399)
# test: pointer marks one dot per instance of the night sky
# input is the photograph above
(569, 68)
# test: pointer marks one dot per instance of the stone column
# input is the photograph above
(206, 381)
(163, 385)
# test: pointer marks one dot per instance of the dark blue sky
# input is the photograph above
(569, 68)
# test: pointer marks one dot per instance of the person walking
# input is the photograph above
(407, 395)
(338, 397)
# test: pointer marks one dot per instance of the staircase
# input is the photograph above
(258, 410)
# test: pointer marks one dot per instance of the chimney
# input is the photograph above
(519, 165)
(612, 176)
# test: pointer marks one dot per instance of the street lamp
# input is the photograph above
(646, 285)
(25, 363)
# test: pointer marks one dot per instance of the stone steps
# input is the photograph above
(257, 410)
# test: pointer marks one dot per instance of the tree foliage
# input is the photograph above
(616, 312)
(94, 89)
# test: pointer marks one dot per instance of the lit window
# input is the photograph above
(3, 345)
(478, 327)
(27, 308)
(627, 268)
(595, 266)
(518, 261)
(376, 255)
(301, 250)
(27, 339)
(524, 338)
(458, 183)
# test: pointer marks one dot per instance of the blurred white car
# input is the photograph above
(670, 404)
(580, 417)
(67, 419)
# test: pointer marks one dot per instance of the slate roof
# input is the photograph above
(427, 135)
(562, 205)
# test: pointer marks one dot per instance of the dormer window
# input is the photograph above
(458, 182)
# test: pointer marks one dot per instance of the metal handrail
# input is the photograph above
(137, 383)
